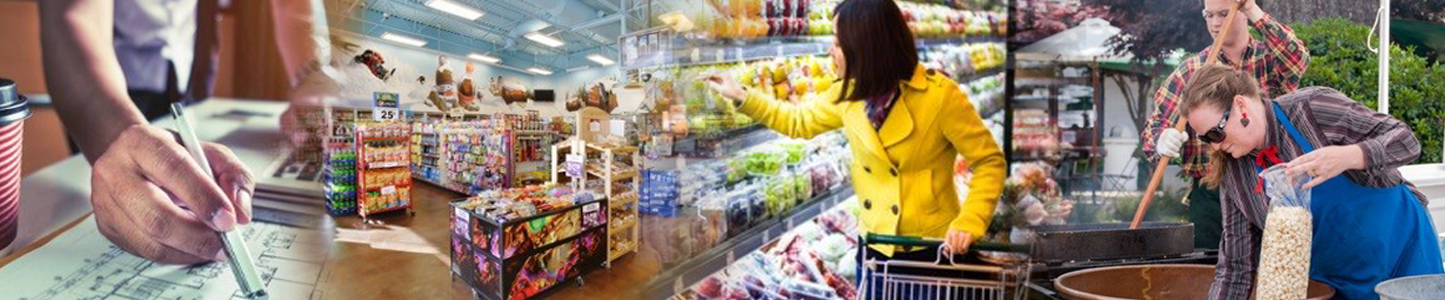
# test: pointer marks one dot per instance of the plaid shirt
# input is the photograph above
(1325, 117)
(1278, 63)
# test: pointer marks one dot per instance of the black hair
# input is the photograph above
(878, 48)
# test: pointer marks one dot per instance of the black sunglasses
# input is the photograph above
(1216, 134)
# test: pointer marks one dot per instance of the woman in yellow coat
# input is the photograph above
(905, 125)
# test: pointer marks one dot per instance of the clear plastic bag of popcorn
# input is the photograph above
(1284, 257)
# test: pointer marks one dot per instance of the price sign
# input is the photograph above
(385, 108)
(573, 165)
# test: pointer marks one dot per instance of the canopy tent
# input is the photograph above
(1089, 41)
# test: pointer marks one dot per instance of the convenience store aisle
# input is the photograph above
(361, 271)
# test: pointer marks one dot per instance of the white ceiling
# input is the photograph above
(587, 26)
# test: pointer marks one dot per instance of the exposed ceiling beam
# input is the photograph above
(609, 19)
(439, 40)
(611, 7)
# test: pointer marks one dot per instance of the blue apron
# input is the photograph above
(1365, 235)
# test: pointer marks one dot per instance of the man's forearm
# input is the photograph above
(302, 37)
(83, 74)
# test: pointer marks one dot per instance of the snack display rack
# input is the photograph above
(383, 172)
(523, 242)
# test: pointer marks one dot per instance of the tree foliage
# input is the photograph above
(1340, 59)
(1152, 29)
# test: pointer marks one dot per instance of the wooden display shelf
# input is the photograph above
(627, 223)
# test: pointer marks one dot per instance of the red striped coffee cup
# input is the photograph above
(12, 116)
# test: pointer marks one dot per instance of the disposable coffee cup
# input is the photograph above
(13, 111)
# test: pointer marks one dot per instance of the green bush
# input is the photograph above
(1340, 59)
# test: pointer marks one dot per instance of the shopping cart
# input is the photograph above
(1002, 273)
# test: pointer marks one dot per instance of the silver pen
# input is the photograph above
(232, 241)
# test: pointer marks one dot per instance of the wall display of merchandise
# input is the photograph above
(611, 168)
(339, 153)
(426, 151)
(474, 153)
(472, 156)
(987, 95)
(965, 62)
(771, 18)
(719, 31)
(518, 243)
(531, 145)
(814, 260)
(383, 174)
(696, 126)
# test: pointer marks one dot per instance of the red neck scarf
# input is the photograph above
(1266, 158)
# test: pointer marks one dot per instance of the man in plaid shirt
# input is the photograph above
(1277, 62)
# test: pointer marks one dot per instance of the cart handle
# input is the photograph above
(899, 240)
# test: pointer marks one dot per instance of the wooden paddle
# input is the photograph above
(1158, 176)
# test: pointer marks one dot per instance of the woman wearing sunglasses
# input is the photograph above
(1370, 225)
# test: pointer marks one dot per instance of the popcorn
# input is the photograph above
(1284, 260)
(1284, 264)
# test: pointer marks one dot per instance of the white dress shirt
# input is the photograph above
(150, 33)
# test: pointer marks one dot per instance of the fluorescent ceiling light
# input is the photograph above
(458, 9)
(414, 42)
(484, 58)
(578, 69)
(545, 39)
(601, 60)
(539, 71)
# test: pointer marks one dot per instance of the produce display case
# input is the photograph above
(816, 259)
(737, 185)
(521, 243)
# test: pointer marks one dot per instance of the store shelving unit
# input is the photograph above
(1043, 107)
(339, 151)
(622, 178)
(471, 153)
(617, 170)
(479, 156)
(425, 150)
(380, 197)
(1041, 85)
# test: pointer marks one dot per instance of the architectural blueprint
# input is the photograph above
(82, 264)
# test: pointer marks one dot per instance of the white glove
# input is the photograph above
(1169, 142)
